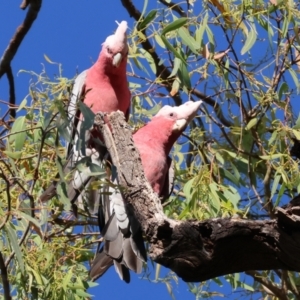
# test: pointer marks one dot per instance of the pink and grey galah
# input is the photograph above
(102, 88)
(123, 242)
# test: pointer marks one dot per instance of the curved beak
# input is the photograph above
(117, 60)
(185, 114)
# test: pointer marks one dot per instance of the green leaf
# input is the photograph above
(149, 58)
(297, 126)
(233, 196)
(140, 65)
(88, 115)
(149, 18)
(200, 30)
(172, 49)
(273, 137)
(271, 156)
(13, 155)
(22, 105)
(280, 193)
(63, 195)
(251, 123)
(214, 196)
(184, 76)
(295, 78)
(82, 164)
(275, 184)
(96, 170)
(144, 8)
(297, 134)
(272, 8)
(284, 88)
(47, 119)
(177, 64)
(14, 244)
(286, 21)
(17, 136)
(36, 275)
(247, 287)
(210, 36)
(27, 217)
(82, 293)
(229, 176)
(91, 284)
(67, 280)
(159, 41)
(174, 25)
(188, 40)
(87, 123)
(187, 190)
(250, 40)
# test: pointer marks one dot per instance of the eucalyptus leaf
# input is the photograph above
(18, 134)
(11, 231)
(174, 25)
(148, 19)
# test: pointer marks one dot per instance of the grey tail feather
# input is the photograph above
(104, 208)
(122, 271)
(127, 252)
(138, 245)
(100, 265)
(129, 257)
(114, 248)
(111, 230)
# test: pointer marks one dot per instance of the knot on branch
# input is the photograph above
(289, 215)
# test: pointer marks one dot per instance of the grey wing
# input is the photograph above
(80, 186)
(77, 92)
(169, 180)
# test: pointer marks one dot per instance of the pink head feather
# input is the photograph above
(117, 43)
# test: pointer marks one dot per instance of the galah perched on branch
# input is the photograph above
(103, 87)
(123, 243)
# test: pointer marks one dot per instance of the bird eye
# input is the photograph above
(108, 50)
(171, 114)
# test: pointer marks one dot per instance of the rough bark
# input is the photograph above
(200, 250)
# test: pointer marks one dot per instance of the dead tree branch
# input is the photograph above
(12, 94)
(13, 46)
(199, 250)
(19, 35)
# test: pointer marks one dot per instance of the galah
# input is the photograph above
(102, 88)
(123, 241)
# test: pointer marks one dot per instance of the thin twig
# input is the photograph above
(175, 7)
(268, 284)
(12, 94)
(4, 276)
(2, 175)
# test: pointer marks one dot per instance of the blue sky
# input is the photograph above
(71, 33)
